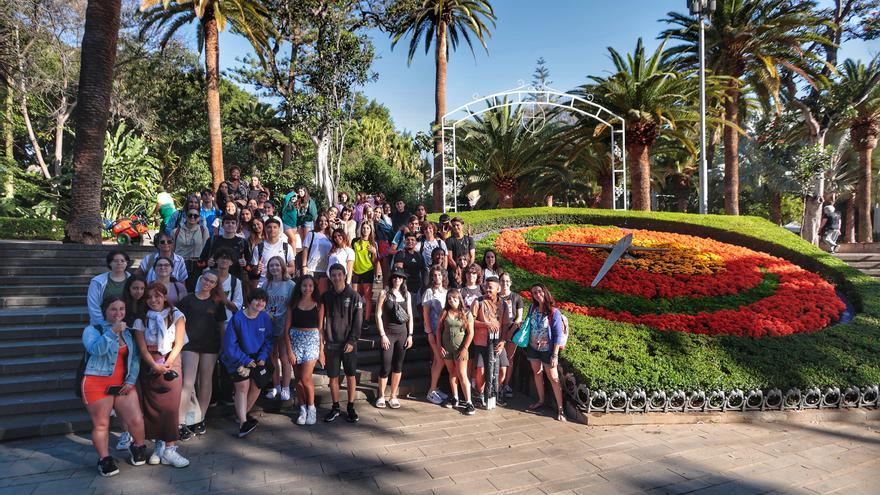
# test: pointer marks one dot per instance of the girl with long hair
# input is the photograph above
(316, 251)
(341, 253)
(305, 343)
(394, 319)
(279, 287)
(433, 302)
(456, 335)
(545, 336)
(366, 258)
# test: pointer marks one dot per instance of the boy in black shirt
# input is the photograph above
(343, 318)
(228, 240)
(459, 244)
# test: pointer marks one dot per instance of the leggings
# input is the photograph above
(392, 359)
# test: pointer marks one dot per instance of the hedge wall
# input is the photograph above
(611, 355)
(31, 229)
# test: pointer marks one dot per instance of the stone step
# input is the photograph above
(858, 256)
(43, 301)
(54, 380)
(43, 290)
(26, 365)
(40, 332)
(43, 401)
(62, 261)
(45, 423)
(72, 270)
(38, 316)
(96, 253)
(38, 280)
(44, 347)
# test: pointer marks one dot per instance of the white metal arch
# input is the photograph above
(536, 97)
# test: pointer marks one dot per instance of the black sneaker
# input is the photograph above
(469, 409)
(138, 455)
(352, 414)
(184, 433)
(107, 467)
(199, 428)
(478, 401)
(333, 414)
(450, 403)
(247, 427)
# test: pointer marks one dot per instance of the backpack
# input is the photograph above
(261, 246)
(563, 339)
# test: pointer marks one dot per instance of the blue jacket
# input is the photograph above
(102, 347)
(245, 338)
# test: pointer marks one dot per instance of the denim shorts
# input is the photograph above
(306, 344)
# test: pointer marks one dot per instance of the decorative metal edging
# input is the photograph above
(640, 400)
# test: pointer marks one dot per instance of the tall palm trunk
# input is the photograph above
(440, 110)
(507, 189)
(93, 111)
(864, 137)
(776, 207)
(212, 83)
(639, 165)
(731, 151)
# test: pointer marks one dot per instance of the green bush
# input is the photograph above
(611, 355)
(31, 228)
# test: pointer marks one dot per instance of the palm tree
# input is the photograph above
(92, 113)
(751, 38)
(503, 153)
(654, 97)
(860, 88)
(247, 18)
(443, 22)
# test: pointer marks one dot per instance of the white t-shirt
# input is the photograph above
(270, 251)
(319, 251)
(341, 256)
(178, 270)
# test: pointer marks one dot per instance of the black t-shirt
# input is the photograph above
(413, 264)
(202, 318)
(460, 247)
(399, 219)
(240, 249)
(514, 304)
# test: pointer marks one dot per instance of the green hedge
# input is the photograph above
(31, 228)
(610, 355)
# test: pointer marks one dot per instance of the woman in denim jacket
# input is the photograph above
(112, 366)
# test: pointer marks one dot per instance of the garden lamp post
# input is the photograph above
(702, 9)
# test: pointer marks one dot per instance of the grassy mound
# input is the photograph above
(611, 355)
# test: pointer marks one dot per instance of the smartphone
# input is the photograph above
(114, 390)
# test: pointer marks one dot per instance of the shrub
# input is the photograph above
(31, 228)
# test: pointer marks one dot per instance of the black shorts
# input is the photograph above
(542, 356)
(482, 350)
(363, 278)
(334, 357)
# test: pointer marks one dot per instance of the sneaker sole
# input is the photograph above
(164, 463)
(242, 434)
(135, 463)
(107, 475)
(151, 462)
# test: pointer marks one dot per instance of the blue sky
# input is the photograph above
(571, 35)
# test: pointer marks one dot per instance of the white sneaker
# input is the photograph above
(273, 392)
(285, 393)
(434, 397)
(301, 420)
(311, 415)
(172, 458)
(158, 450)
(124, 441)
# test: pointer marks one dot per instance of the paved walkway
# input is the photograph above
(422, 448)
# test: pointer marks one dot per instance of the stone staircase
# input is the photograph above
(42, 315)
(864, 257)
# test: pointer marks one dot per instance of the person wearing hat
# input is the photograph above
(831, 229)
(189, 240)
(394, 319)
(343, 319)
(444, 227)
(245, 355)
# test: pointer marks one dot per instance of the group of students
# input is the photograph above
(269, 311)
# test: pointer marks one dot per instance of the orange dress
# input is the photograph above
(94, 388)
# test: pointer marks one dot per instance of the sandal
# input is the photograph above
(536, 405)
(560, 416)
(394, 403)
(380, 403)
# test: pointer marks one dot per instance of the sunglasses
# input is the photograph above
(196, 215)
(166, 242)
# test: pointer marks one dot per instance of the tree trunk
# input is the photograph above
(287, 156)
(212, 87)
(639, 164)
(322, 166)
(93, 110)
(8, 139)
(440, 110)
(505, 196)
(731, 151)
(776, 207)
(814, 201)
(863, 190)
(606, 198)
(849, 225)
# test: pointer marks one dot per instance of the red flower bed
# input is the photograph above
(803, 301)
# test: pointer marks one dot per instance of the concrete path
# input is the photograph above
(423, 448)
